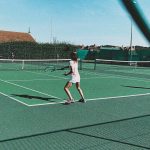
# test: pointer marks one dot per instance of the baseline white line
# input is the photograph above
(94, 99)
(50, 103)
(115, 97)
(14, 99)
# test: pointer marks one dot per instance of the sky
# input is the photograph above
(81, 22)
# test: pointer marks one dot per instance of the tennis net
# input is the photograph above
(139, 69)
(32, 64)
(87, 64)
(120, 65)
(103, 64)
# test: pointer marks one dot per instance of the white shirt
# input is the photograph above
(75, 73)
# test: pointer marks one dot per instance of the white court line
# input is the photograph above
(14, 99)
(61, 99)
(47, 75)
(62, 77)
(50, 103)
(34, 80)
(103, 75)
(35, 90)
(94, 99)
(115, 97)
(100, 77)
(29, 89)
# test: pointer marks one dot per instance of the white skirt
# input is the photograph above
(75, 79)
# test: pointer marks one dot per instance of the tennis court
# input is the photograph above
(115, 116)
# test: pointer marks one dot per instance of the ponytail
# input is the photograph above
(74, 56)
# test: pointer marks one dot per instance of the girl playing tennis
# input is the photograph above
(75, 78)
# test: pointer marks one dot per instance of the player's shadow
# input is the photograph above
(51, 99)
(137, 87)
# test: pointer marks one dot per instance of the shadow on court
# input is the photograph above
(138, 87)
(35, 97)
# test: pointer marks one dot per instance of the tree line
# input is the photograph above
(32, 50)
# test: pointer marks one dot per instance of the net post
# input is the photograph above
(95, 64)
(80, 64)
(135, 67)
(22, 64)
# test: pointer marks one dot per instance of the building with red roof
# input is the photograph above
(9, 36)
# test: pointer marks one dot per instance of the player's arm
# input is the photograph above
(54, 69)
(64, 67)
(70, 72)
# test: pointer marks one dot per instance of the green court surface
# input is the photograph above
(116, 115)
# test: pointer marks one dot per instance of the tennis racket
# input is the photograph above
(49, 68)
(136, 13)
(62, 68)
(56, 69)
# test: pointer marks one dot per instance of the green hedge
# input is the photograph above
(30, 50)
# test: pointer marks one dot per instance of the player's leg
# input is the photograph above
(66, 88)
(80, 92)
